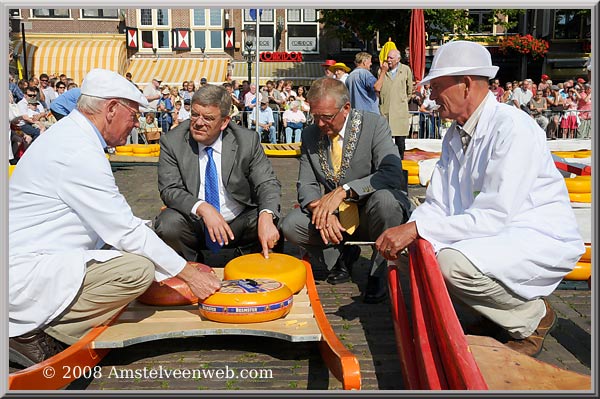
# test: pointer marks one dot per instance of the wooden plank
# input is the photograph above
(506, 369)
(143, 323)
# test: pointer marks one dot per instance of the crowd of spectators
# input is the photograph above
(562, 109)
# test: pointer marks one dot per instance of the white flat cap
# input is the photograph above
(460, 58)
(103, 83)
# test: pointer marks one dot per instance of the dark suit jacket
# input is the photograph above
(375, 163)
(245, 169)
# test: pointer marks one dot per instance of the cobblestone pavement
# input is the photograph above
(366, 330)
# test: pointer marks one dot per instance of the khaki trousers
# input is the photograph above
(489, 297)
(107, 288)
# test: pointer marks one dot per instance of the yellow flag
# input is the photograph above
(20, 68)
(390, 45)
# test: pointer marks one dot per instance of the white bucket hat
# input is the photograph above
(460, 58)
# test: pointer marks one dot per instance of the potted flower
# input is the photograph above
(526, 44)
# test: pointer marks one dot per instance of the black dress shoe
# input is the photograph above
(33, 348)
(376, 291)
(342, 269)
(339, 274)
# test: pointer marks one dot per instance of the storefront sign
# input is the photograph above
(302, 43)
(275, 56)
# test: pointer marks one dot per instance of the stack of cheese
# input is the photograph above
(580, 188)
(255, 289)
(139, 150)
(583, 268)
(412, 167)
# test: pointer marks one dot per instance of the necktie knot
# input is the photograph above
(209, 151)
(465, 138)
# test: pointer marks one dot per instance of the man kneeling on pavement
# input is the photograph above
(350, 154)
(497, 211)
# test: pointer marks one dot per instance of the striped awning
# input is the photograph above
(173, 71)
(301, 73)
(73, 57)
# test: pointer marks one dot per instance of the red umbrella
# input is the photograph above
(417, 44)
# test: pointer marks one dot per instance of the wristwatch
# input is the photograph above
(348, 191)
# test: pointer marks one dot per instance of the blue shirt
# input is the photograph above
(362, 93)
(264, 116)
(66, 102)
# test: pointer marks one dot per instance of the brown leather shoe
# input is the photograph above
(33, 347)
(532, 345)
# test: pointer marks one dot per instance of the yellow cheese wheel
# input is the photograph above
(412, 179)
(412, 168)
(143, 155)
(583, 154)
(142, 150)
(580, 197)
(581, 272)
(564, 154)
(279, 267)
(579, 184)
(247, 301)
(587, 256)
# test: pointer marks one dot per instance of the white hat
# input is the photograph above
(103, 83)
(460, 58)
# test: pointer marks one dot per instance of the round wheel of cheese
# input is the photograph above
(247, 301)
(411, 168)
(587, 256)
(279, 267)
(142, 150)
(581, 272)
(583, 154)
(580, 197)
(413, 180)
(172, 291)
(579, 184)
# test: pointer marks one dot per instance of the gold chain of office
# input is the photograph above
(348, 150)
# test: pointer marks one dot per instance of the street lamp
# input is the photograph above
(249, 53)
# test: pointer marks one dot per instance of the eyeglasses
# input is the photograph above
(43, 80)
(326, 118)
(207, 120)
(134, 114)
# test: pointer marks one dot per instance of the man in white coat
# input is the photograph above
(497, 211)
(65, 208)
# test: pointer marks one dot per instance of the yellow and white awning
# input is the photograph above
(173, 71)
(73, 57)
(301, 73)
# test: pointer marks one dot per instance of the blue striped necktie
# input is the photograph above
(211, 194)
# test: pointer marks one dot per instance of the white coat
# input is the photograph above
(63, 206)
(503, 203)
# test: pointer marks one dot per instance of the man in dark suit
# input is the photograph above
(246, 190)
(350, 154)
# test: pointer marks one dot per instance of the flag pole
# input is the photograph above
(258, 13)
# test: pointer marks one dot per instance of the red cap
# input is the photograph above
(328, 63)
(581, 80)
(545, 77)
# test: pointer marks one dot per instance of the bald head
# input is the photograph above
(393, 58)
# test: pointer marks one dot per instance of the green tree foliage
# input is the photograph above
(395, 23)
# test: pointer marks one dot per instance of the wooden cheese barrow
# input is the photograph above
(141, 323)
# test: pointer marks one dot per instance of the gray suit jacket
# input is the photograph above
(373, 159)
(245, 169)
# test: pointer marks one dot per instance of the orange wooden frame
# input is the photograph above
(342, 363)
(50, 374)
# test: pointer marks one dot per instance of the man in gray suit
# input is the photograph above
(368, 176)
(248, 194)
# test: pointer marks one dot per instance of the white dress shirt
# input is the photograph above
(230, 208)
